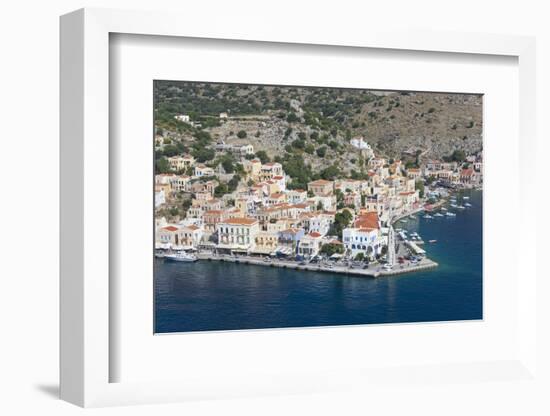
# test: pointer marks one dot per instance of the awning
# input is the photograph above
(287, 251)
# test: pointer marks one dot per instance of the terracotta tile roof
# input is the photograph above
(241, 221)
(171, 228)
(320, 182)
(291, 231)
(367, 220)
(214, 212)
(315, 234)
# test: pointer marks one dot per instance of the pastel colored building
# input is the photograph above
(238, 234)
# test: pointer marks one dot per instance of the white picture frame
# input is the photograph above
(85, 204)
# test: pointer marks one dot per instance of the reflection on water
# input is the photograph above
(220, 296)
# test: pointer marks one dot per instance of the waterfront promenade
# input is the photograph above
(375, 270)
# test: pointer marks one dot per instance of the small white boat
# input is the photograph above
(450, 214)
(438, 214)
(403, 220)
(465, 197)
(467, 204)
(432, 241)
(428, 216)
(454, 205)
(460, 207)
(181, 256)
(443, 209)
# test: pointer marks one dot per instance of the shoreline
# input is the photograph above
(373, 271)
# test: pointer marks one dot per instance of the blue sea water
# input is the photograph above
(205, 295)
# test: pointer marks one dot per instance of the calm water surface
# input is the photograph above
(205, 296)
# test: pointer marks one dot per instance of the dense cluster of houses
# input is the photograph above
(264, 216)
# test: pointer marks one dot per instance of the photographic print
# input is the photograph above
(290, 206)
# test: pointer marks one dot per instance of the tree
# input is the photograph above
(341, 220)
(331, 248)
(221, 190)
(322, 151)
(241, 134)
(203, 154)
(330, 173)
(299, 144)
(309, 149)
(162, 165)
(228, 166)
(262, 155)
(360, 256)
(233, 183)
(320, 206)
(292, 117)
(419, 185)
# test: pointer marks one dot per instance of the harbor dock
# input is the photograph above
(374, 270)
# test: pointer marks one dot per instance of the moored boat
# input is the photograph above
(450, 214)
(181, 256)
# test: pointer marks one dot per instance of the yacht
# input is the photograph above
(181, 256)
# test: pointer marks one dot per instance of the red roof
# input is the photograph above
(467, 172)
(241, 221)
(315, 234)
(367, 220)
(320, 182)
(171, 228)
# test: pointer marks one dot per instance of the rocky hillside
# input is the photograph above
(318, 123)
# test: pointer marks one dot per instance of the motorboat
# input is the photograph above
(427, 216)
(454, 205)
(432, 241)
(450, 214)
(465, 197)
(181, 256)
(443, 209)
(461, 207)
(438, 214)
(467, 204)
